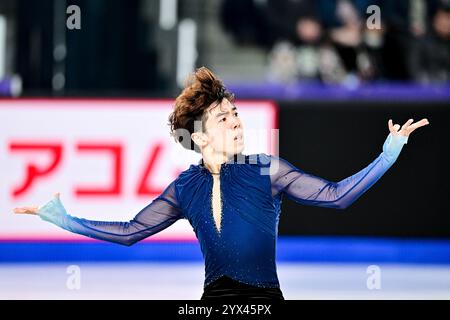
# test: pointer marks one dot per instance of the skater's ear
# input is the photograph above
(199, 138)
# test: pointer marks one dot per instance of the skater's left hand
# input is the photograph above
(399, 136)
(407, 128)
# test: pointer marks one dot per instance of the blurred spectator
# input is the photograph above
(357, 47)
(290, 29)
(329, 39)
(295, 55)
(266, 22)
(311, 39)
(439, 59)
(295, 21)
(417, 41)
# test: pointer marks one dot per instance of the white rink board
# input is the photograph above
(99, 154)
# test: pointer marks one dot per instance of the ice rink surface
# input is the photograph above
(173, 281)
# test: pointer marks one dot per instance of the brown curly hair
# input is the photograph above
(201, 90)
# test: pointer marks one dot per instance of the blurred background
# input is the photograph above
(146, 47)
(327, 73)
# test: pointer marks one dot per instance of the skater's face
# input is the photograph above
(224, 129)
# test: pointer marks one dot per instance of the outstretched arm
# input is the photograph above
(308, 189)
(158, 215)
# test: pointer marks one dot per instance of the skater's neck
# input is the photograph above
(213, 161)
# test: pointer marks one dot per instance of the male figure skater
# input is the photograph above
(232, 200)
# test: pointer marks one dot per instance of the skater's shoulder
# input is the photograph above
(192, 172)
(270, 160)
(265, 158)
(259, 159)
(192, 169)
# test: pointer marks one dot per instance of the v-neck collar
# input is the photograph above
(232, 160)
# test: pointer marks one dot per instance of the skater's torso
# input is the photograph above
(235, 219)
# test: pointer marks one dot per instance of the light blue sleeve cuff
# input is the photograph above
(54, 212)
(393, 146)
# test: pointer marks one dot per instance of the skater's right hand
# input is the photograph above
(31, 209)
(26, 210)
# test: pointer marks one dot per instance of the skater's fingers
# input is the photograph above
(396, 128)
(418, 124)
(390, 126)
(393, 128)
(407, 123)
(26, 210)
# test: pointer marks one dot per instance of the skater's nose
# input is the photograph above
(236, 123)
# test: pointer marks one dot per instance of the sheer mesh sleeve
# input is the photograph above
(158, 215)
(308, 189)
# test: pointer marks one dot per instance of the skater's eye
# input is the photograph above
(224, 119)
